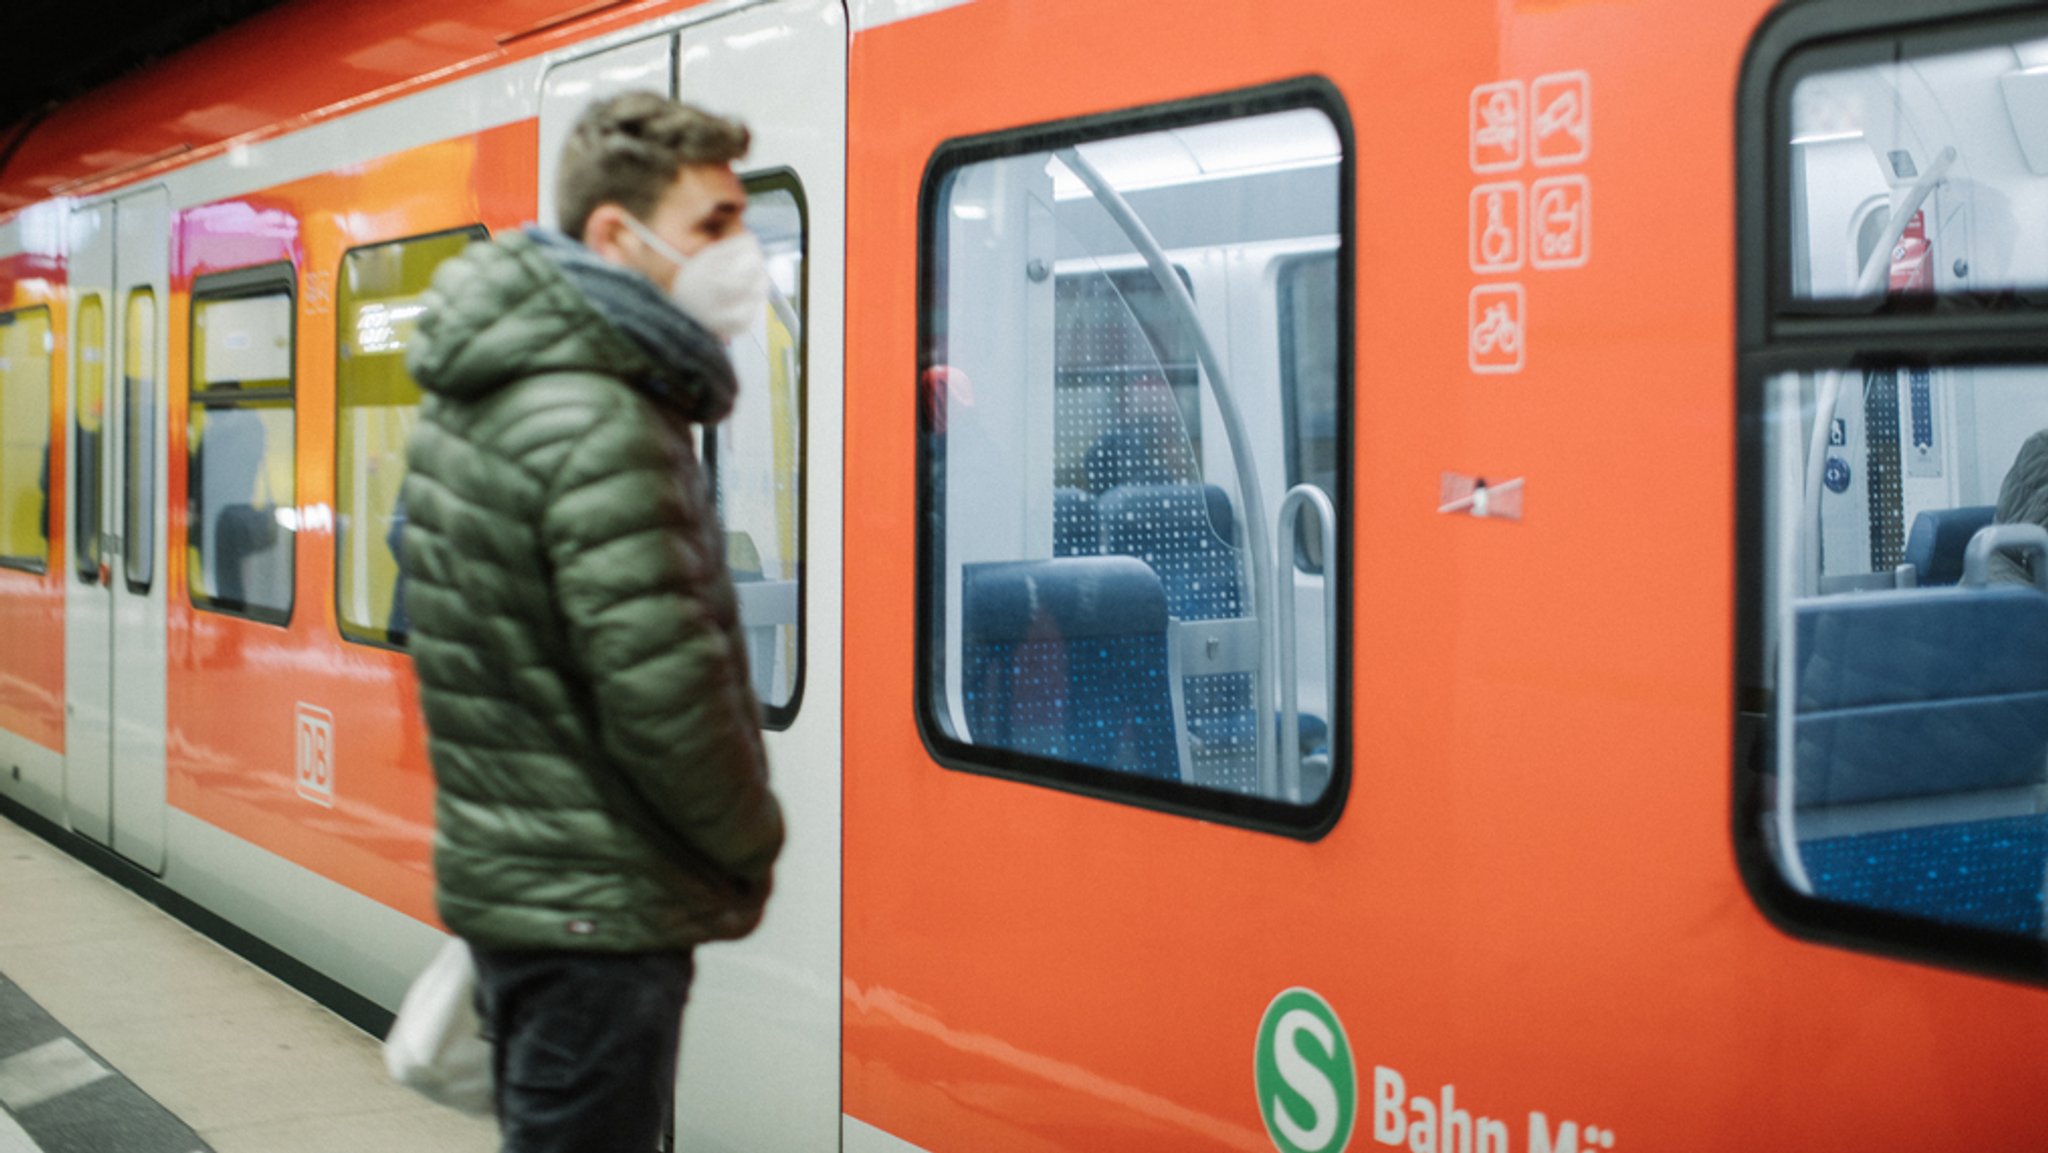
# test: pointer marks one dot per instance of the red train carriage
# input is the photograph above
(1331, 575)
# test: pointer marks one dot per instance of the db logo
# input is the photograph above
(316, 754)
(1308, 1086)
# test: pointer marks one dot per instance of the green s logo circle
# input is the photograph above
(1308, 1086)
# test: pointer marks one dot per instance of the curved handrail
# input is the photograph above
(1133, 227)
(1988, 541)
(1290, 691)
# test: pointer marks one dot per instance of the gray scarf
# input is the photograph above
(692, 373)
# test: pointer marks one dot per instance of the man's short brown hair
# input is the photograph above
(628, 149)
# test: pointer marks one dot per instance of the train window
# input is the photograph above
(242, 436)
(139, 386)
(88, 435)
(1909, 161)
(756, 456)
(25, 351)
(1893, 772)
(1102, 605)
(377, 403)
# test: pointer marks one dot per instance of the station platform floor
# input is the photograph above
(124, 1031)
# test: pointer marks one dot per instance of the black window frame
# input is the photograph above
(1306, 822)
(341, 623)
(40, 567)
(236, 284)
(1779, 333)
(778, 718)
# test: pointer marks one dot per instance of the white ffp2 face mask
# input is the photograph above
(724, 287)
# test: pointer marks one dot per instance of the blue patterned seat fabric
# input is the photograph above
(1186, 533)
(1066, 658)
(1983, 874)
(1921, 694)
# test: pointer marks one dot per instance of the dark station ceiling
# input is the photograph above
(54, 50)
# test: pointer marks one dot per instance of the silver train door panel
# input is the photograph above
(760, 1061)
(88, 596)
(137, 478)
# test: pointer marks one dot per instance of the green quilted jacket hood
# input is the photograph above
(594, 736)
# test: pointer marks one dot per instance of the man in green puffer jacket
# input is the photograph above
(603, 802)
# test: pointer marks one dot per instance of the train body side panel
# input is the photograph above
(251, 703)
(1531, 901)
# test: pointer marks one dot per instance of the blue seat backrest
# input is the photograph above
(1185, 532)
(1067, 658)
(1935, 546)
(1920, 693)
(1076, 529)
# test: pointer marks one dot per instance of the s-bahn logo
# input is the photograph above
(1308, 1086)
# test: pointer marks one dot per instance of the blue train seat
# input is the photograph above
(1067, 658)
(1935, 546)
(1918, 695)
(1186, 532)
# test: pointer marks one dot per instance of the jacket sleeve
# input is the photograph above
(652, 622)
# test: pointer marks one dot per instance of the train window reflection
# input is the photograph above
(757, 456)
(138, 377)
(88, 434)
(25, 348)
(1907, 618)
(1918, 171)
(1126, 338)
(241, 434)
(378, 306)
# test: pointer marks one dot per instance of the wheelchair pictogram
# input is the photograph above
(1497, 227)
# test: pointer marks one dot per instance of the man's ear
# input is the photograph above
(604, 234)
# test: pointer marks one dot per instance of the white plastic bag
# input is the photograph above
(436, 1047)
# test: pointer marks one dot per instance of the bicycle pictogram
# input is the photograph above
(1497, 323)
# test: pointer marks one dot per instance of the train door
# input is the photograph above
(134, 478)
(89, 595)
(760, 1058)
(760, 1064)
(114, 639)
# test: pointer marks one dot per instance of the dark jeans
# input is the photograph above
(585, 1059)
